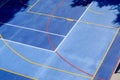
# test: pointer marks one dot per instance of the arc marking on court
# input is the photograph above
(100, 64)
(67, 19)
(38, 64)
(18, 74)
(95, 12)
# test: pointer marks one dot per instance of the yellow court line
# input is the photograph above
(41, 65)
(95, 12)
(72, 20)
(105, 54)
(18, 74)
(97, 25)
(48, 15)
(67, 19)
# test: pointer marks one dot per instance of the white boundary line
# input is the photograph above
(72, 28)
(27, 45)
(12, 25)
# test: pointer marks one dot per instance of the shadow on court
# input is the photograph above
(9, 8)
(115, 5)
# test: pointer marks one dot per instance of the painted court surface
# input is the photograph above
(50, 40)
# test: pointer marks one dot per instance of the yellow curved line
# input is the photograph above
(17, 74)
(41, 65)
(114, 37)
(95, 12)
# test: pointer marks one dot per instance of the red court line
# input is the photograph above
(115, 68)
(53, 47)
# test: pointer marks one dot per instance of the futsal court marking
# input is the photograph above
(59, 17)
(115, 68)
(13, 72)
(105, 55)
(38, 64)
